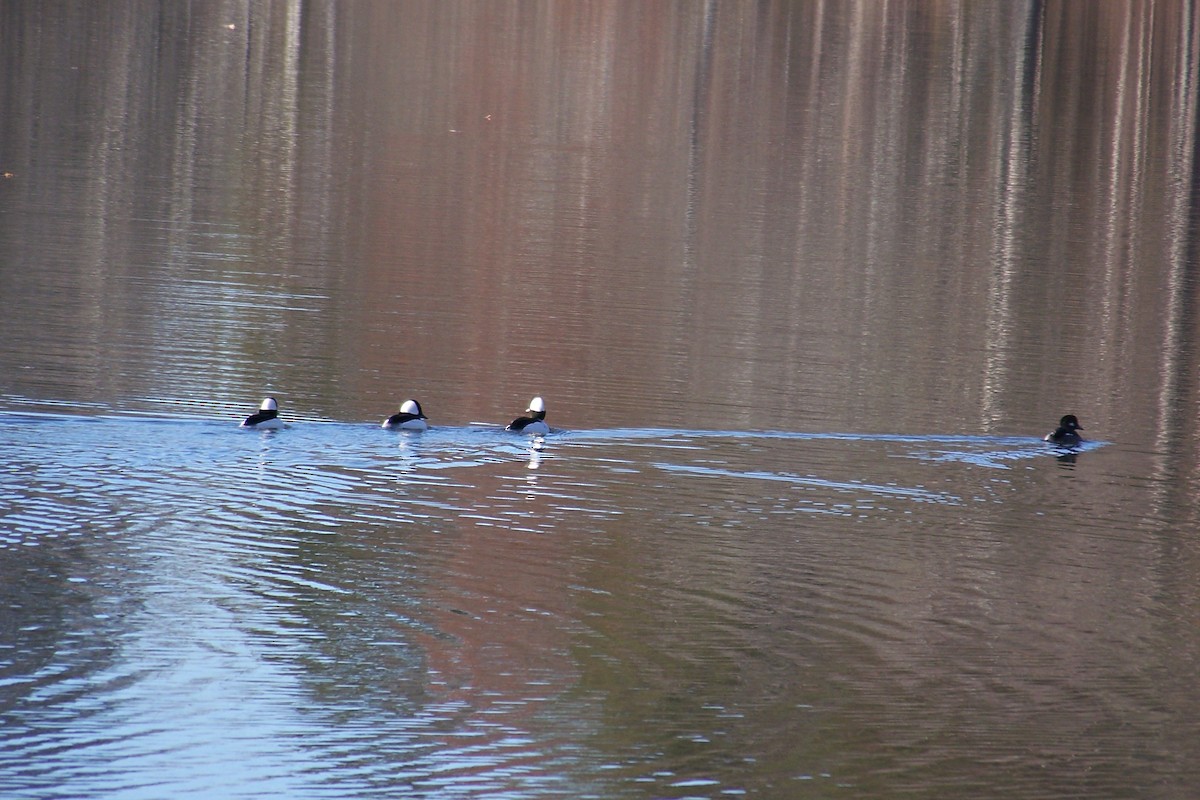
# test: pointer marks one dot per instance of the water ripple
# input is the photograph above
(334, 610)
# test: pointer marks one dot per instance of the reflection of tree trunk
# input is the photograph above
(1179, 345)
(1013, 161)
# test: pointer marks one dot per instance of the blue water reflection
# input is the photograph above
(198, 610)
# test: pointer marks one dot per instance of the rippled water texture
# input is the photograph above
(334, 609)
(802, 284)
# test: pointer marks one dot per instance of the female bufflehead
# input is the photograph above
(536, 423)
(267, 417)
(410, 418)
(1065, 434)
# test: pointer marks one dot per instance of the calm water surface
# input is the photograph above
(802, 285)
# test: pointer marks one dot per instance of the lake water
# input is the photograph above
(802, 285)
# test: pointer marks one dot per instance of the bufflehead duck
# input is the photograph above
(535, 423)
(1065, 434)
(267, 416)
(410, 418)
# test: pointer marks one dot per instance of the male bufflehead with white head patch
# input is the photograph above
(410, 418)
(1065, 435)
(266, 418)
(535, 423)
